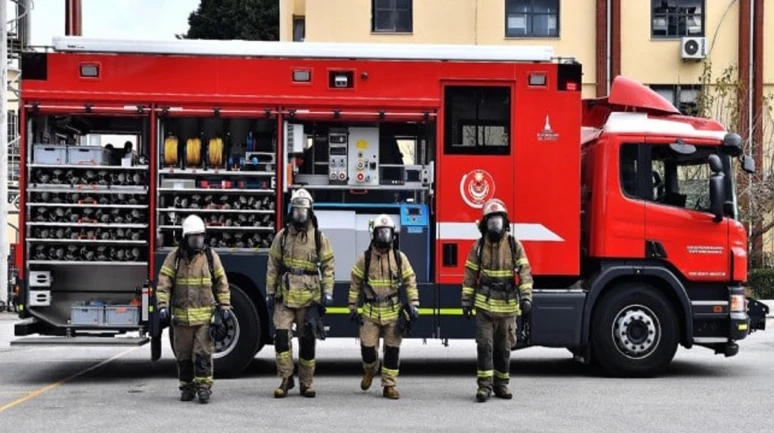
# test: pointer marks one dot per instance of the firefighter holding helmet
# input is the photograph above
(192, 280)
(498, 285)
(299, 277)
(376, 278)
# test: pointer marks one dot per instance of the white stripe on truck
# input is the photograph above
(522, 231)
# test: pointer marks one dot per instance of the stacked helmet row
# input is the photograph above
(87, 176)
(87, 214)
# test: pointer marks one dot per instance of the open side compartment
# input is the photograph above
(87, 220)
(356, 169)
(222, 167)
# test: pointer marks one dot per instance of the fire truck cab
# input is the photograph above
(626, 209)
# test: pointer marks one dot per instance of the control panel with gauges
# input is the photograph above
(364, 156)
(338, 143)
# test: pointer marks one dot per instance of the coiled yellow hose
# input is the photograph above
(170, 151)
(216, 152)
(193, 151)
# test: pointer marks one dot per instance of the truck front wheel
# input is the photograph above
(235, 352)
(634, 331)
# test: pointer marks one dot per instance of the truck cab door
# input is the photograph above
(679, 226)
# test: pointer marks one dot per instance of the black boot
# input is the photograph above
(483, 394)
(282, 390)
(204, 395)
(187, 393)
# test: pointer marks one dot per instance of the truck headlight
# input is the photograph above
(738, 303)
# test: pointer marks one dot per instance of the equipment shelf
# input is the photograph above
(212, 172)
(89, 225)
(86, 241)
(220, 191)
(234, 228)
(81, 263)
(87, 167)
(225, 211)
(90, 205)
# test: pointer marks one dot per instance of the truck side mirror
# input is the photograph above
(732, 144)
(717, 188)
(716, 165)
(748, 164)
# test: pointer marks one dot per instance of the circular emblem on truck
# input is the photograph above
(476, 188)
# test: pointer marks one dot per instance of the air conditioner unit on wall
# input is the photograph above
(693, 48)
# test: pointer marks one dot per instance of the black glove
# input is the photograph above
(414, 312)
(354, 316)
(270, 302)
(526, 305)
(467, 312)
(163, 315)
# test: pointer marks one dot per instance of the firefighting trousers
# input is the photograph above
(369, 341)
(284, 318)
(193, 349)
(494, 338)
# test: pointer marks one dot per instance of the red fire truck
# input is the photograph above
(626, 208)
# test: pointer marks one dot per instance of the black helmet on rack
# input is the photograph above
(72, 177)
(102, 254)
(57, 176)
(72, 253)
(87, 254)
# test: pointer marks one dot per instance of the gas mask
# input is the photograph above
(495, 227)
(195, 243)
(383, 237)
(300, 216)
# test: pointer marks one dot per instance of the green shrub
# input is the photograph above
(762, 283)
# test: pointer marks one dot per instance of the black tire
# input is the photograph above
(634, 331)
(248, 331)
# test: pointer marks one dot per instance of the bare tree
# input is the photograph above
(720, 98)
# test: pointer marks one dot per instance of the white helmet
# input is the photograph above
(192, 225)
(301, 199)
(383, 220)
(383, 231)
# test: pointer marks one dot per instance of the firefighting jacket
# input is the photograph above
(381, 300)
(292, 273)
(489, 282)
(189, 290)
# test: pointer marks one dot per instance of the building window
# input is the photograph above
(391, 16)
(299, 29)
(677, 18)
(684, 97)
(532, 18)
(477, 120)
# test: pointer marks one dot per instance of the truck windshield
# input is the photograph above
(683, 180)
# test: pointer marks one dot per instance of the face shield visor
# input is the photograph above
(383, 236)
(299, 216)
(195, 242)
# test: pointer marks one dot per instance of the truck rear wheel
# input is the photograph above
(243, 340)
(634, 331)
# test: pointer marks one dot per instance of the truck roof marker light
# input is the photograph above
(302, 75)
(89, 70)
(537, 79)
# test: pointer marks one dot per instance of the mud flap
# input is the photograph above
(757, 311)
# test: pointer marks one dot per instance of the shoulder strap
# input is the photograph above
(512, 244)
(317, 243)
(177, 262)
(210, 261)
(283, 241)
(399, 262)
(367, 264)
(479, 254)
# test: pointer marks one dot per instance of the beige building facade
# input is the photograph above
(662, 43)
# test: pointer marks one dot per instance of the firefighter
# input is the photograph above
(299, 274)
(490, 287)
(376, 278)
(190, 278)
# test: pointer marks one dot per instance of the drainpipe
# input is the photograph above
(609, 32)
(750, 111)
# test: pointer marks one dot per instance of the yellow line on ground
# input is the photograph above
(40, 391)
